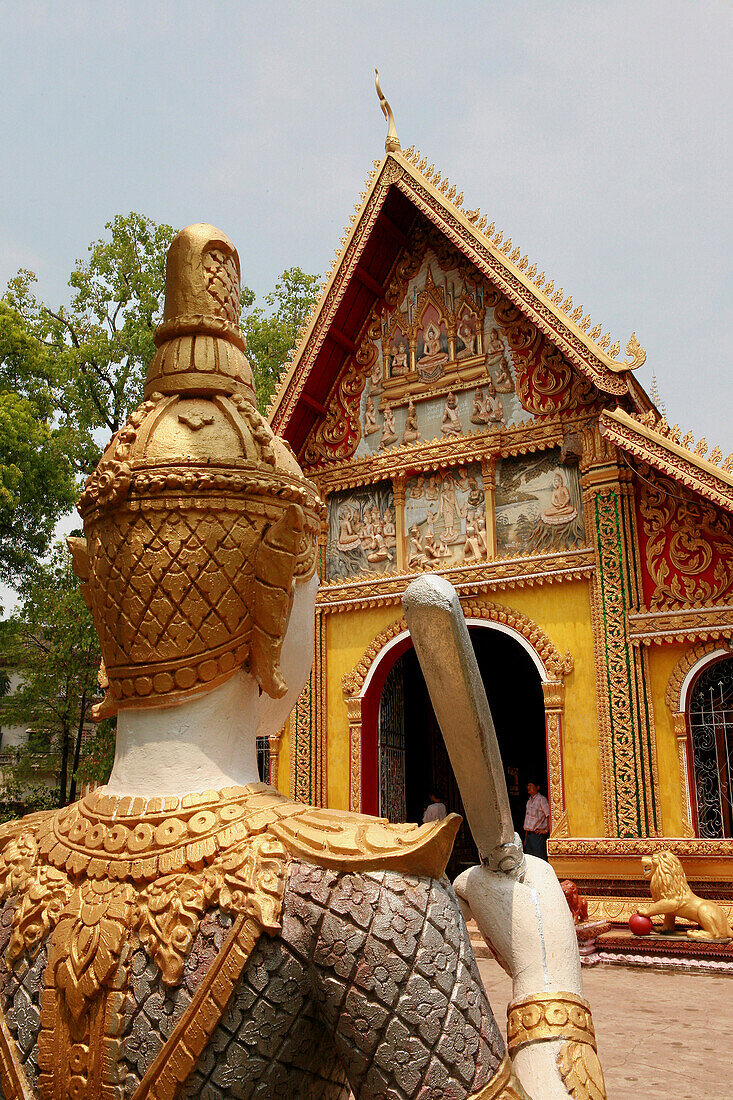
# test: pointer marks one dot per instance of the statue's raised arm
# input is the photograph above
(516, 900)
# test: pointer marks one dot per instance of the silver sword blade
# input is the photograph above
(451, 672)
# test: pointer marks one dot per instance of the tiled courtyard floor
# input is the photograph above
(661, 1036)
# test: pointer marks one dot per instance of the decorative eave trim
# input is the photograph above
(486, 251)
(598, 847)
(403, 459)
(684, 624)
(547, 312)
(669, 457)
(314, 330)
(387, 588)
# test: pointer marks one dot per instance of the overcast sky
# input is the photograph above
(597, 135)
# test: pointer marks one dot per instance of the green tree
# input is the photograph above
(36, 475)
(51, 643)
(98, 347)
(273, 331)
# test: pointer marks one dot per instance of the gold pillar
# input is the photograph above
(273, 763)
(679, 724)
(353, 710)
(398, 492)
(323, 536)
(625, 715)
(488, 478)
(554, 693)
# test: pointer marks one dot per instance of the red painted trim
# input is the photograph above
(369, 718)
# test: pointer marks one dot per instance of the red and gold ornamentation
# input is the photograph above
(686, 544)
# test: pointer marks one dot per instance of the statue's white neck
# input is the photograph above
(206, 743)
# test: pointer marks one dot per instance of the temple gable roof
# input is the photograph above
(399, 190)
(660, 447)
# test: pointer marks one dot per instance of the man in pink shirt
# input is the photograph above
(536, 822)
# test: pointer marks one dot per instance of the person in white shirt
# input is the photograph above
(436, 810)
(536, 822)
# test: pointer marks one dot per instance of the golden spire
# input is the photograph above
(392, 142)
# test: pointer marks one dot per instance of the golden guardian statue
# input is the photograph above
(186, 931)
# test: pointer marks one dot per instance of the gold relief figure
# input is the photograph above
(467, 334)
(475, 546)
(561, 511)
(416, 554)
(449, 509)
(381, 551)
(388, 528)
(673, 898)
(400, 363)
(368, 532)
(348, 538)
(479, 415)
(475, 497)
(370, 420)
(411, 434)
(503, 382)
(389, 435)
(451, 417)
(489, 409)
(416, 491)
(375, 386)
(432, 489)
(494, 346)
(431, 552)
(431, 362)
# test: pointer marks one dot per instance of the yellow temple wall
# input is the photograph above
(348, 633)
(660, 662)
(563, 612)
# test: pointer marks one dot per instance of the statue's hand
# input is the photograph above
(527, 924)
(530, 929)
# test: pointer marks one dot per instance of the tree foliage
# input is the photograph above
(36, 474)
(271, 332)
(99, 345)
(51, 643)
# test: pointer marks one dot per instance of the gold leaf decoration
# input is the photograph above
(581, 1071)
(636, 353)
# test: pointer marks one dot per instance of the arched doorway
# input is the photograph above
(710, 723)
(411, 756)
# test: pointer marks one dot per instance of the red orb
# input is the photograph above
(639, 925)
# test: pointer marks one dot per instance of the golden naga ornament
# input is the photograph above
(197, 518)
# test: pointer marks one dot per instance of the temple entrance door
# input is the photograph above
(412, 757)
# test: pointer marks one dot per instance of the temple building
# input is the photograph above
(460, 413)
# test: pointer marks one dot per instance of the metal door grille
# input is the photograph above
(391, 744)
(711, 728)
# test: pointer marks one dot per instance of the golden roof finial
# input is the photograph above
(392, 142)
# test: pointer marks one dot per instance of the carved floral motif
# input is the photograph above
(686, 543)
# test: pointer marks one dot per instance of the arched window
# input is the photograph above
(710, 715)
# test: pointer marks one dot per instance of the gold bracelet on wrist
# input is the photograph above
(555, 1015)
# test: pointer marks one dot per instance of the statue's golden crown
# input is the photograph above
(197, 519)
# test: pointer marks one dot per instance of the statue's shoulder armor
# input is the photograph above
(349, 841)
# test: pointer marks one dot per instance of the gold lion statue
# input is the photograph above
(672, 898)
